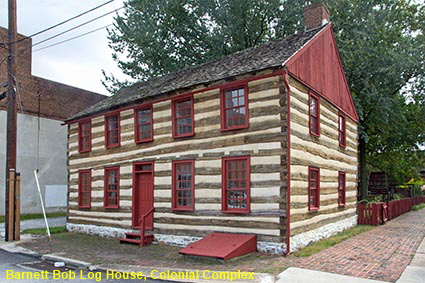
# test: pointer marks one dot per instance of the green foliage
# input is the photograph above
(380, 42)
(418, 186)
(37, 216)
(397, 197)
(418, 206)
(43, 231)
(373, 199)
(332, 241)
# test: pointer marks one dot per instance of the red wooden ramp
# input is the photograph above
(222, 246)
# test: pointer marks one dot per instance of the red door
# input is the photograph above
(143, 197)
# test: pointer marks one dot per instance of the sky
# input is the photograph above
(78, 62)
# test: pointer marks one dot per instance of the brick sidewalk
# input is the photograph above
(381, 254)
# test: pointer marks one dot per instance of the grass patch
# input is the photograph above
(418, 206)
(37, 216)
(42, 231)
(332, 241)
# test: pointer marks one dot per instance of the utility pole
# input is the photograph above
(11, 142)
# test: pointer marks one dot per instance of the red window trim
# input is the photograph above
(105, 187)
(136, 125)
(174, 118)
(80, 136)
(223, 107)
(317, 196)
(80, 187)
(317, 132)
(341, 201)
(174, 184)
(342, 133)
(107, 145)
(224, 207)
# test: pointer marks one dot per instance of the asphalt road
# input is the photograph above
(12, 265)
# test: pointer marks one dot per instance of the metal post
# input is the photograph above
(11, 207)
(11, 117)
(17, 207)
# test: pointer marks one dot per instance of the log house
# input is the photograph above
(263, 141)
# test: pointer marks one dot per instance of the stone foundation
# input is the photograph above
(304, 239)
(297, 242)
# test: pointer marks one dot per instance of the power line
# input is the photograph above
(80, 25)
(70, 19)
(72, 38)
(59, 24)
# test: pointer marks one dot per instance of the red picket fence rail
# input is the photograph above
(380, 212)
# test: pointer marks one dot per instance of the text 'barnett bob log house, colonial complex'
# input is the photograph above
(260, 142)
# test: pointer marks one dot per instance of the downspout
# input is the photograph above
(288, 163)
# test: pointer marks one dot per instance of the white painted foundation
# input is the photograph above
(297, 242)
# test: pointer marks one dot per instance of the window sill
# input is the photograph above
(183, 135)
(236, 211)
(183, 209)
(234, 128)
(143, 141)
(113, 146)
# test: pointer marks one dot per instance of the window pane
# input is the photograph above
(313, 106)
(183, 184)
(144, 116)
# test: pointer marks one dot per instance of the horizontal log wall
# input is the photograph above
(323, 152)
(262, 141)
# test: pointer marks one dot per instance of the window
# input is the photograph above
(341, 189)
(234, 108)
(183, 117)
(183, 185)
(84, 188)
(84, 136)
(341, 130)
(314, 113)
(112, 187)
(313, 188)
(112, 130)
(143, 124)
(236, 184)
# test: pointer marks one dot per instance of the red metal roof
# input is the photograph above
(318, 66)
(222, 246)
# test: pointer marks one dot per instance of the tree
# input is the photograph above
(161, 36)
(381, 44)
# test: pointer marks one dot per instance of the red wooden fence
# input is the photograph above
(380, 212)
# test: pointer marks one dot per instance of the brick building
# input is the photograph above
(45, 103)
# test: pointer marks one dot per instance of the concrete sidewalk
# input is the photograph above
(415, 271)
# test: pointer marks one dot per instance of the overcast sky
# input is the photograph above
(78, 62)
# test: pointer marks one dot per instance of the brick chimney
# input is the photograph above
(315, 16)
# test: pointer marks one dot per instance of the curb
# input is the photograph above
(147, 272)
(68, 261)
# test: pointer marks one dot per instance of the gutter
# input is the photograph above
(288, 163)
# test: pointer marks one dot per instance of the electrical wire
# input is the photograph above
(80, 25)
(72, 38)
(59, 24)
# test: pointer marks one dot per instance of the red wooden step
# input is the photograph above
(132, 235)
(222, 246)
(148, 240)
